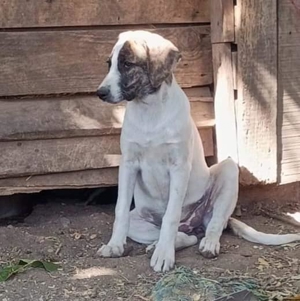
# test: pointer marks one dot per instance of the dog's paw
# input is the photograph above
(163, 259)
(111, 251)
(209, 247)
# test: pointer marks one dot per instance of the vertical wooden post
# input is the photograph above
(222, 21)
(256, 106)
(222, 27)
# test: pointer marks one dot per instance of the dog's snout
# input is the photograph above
(103, 93)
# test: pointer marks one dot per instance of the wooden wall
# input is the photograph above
(268, 102)
(256, 46)
(54, 133)
(244, 38)
(256, 104)
(289, 89)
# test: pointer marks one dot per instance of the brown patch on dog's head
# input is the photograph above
(162, 63)
(145, 64)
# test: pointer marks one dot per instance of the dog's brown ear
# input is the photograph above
(162, 63)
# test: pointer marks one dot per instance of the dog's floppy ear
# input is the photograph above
(162, 63)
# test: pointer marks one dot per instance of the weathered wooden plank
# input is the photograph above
(53, 62)
(75, 117)
(291, 171)
(87, 178)
(103, 177)
(224, 102)
(206, 134)
(289, 89)
(27, 158)
(222, 21)
(36, 13)
(58, 155)
(256, 107)
(199, 94)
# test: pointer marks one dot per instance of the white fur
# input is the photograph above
(163, 166)
(113, 75)
(242, 230)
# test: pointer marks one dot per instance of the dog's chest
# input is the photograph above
(154, 172)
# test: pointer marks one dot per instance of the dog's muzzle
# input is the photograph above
(104, 93)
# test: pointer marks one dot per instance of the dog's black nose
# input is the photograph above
(103, 93)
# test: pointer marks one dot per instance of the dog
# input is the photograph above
(177, 196)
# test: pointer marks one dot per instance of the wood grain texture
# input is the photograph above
(222, 21)
(25, 158)
(103, 177)
(53, 62)
(37, 13)
(86, 178)
(36, 157)
(289, 89)
(224, 103)
(256, 107)
(67, 117)
(206, 134)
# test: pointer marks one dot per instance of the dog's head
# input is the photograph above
(138, 65)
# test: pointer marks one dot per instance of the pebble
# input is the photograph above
(65, 222)
(93, 236)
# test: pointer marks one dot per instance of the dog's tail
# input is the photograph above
(248, 233)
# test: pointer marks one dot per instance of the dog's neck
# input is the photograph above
(155, 110)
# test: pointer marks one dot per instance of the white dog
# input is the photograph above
(176, 195)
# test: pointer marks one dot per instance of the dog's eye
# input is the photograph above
(128, 64)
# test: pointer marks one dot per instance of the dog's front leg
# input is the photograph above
(127, 178)
(163, 258)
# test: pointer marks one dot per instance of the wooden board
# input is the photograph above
(67, 117)
(58, 155)
(224, 103)
(256, 107)
(52, 62)
(27, 158)
(206, 134)
(289, 89)
(222, 21)
(103, 177)
(79, 179)
(37, 13)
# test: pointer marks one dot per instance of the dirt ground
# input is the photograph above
(71, 233)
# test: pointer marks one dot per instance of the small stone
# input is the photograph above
(50, 250)
(93, 236)
(65, 222)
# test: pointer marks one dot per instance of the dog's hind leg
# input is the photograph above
(147, 233)
(182, 241)
(142, 231)
(224, 181)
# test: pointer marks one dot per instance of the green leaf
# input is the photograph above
(22, 265)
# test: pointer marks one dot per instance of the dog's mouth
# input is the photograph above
(112, 101)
